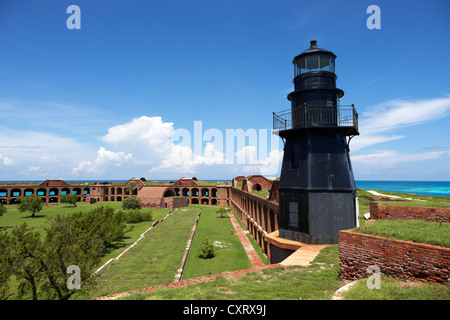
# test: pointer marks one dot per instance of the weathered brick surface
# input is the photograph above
(378, 211)
(415, 261)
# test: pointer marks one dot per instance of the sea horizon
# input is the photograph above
(419, 187)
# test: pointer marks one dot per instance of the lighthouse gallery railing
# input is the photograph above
(308, 116)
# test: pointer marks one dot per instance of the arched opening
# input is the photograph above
(177, 191)
(205, 201)
(65, 191)
(76, 191)
(87, 190)
(119, 198)
(53, 192)
(264, 222)
(271, 221)
(41, 192)
(3, 193)
(213, 192)
(53, 200)
(169, 193)
(111, 198)
(13, 201)
(257, 187)
(185, 192)
(194, 201)
(205, 192)
(3, 201)
(194, 192)
(28, 192)
(16, 192)
(258, 218)
(119, 190)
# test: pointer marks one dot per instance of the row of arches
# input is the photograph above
(202, 201)
(258, 215)
(41, 192)
(196, 192)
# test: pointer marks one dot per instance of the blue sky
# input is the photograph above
(110, 100)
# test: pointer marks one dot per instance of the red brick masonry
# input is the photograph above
(415, 261)
(378, 211)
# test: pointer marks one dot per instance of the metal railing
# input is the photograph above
(308, 116)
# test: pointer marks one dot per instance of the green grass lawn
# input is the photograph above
(14, 217)
(434, 233)
(230, 254)
(318, 281)
(154, 260)
(398, 289)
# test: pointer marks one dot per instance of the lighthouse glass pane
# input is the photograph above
(312, 63)
(301, 65)
(325, 62)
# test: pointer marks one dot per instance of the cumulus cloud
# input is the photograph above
(157, 145)
(105, 159)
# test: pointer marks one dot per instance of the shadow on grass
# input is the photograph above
(35, 217)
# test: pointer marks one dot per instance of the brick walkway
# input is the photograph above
(251, 253)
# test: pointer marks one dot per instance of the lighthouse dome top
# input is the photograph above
(314, 49)
(314, 59)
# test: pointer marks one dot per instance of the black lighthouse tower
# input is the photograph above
(317, 189)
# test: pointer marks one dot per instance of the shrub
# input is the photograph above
(206, 250)
(2, 209)
(222, 211)
(131, 203)
(69, 198)
(136, 216)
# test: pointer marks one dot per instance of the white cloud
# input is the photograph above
(399, 113)
(105, 159)
(395, 114)
(6, 161)
(388, 159)
(251, 164)
(146, 137)
(55, 155)
(34, 168)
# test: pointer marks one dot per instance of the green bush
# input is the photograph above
(69, 198)
(136, 216)
(206, 250)
(131, 203)
(2, 209)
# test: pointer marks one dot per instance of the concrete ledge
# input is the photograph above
(275, 239)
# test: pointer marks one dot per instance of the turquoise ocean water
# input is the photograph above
(427, 188)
